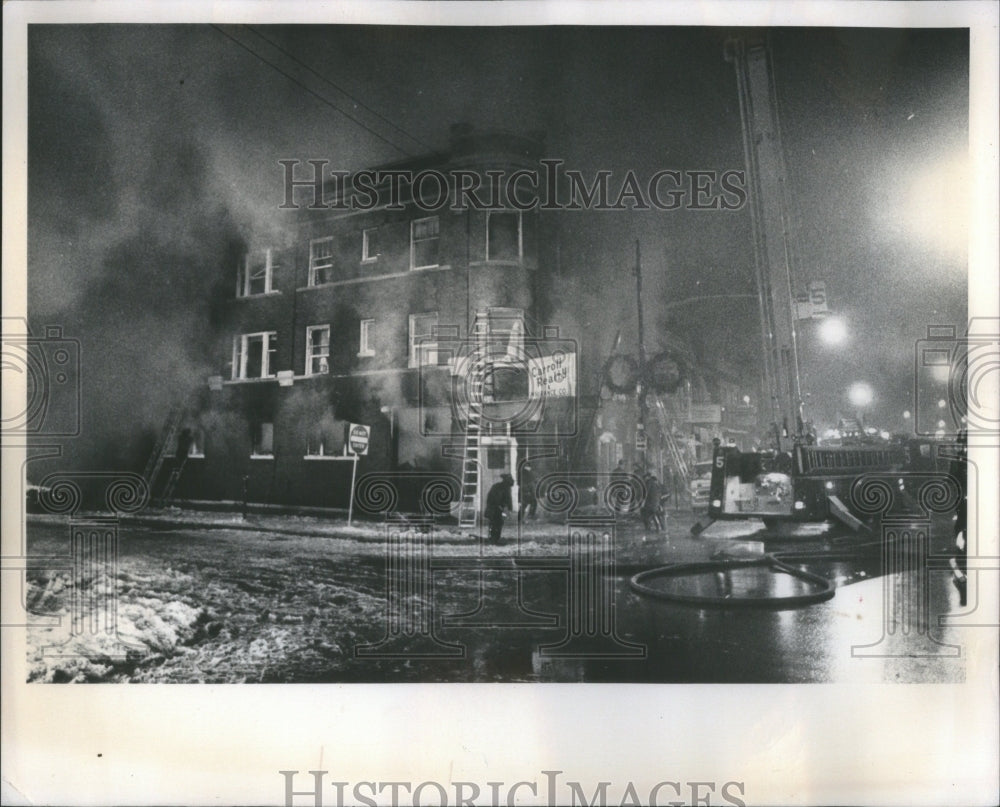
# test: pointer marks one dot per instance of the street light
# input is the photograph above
(833, 331)
(860, 394)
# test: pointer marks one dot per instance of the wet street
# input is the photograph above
(255, 605)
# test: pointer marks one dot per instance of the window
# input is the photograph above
(506, 334)
(320, 261)
(253, 355)
(197, 447)
(424, 243)
(325, 438)
(317, 349)
(365, 347)
(423, 340)
(256, 274)
(503, 236)
(369, 245)
(263, 440)
(316, 447)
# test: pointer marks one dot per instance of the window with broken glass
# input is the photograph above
(253, 355)
(263, 440)
(317, 349)
(423, 340)
(257, 273)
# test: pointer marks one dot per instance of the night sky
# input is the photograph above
(153, 161)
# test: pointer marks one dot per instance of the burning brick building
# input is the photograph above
(368, 314)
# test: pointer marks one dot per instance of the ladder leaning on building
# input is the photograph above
(476, 382)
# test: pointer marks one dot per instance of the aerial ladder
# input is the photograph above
(787, 480)
(768, 202)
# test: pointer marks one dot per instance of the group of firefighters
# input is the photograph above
(499, 501)
(653, 495)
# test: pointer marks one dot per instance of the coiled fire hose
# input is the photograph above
(778, 562)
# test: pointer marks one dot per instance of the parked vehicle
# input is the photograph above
(700, 485)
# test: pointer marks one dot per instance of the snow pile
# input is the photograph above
(92, 650)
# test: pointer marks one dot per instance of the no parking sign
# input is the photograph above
(357, 438)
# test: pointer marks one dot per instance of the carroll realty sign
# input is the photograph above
(552, 376)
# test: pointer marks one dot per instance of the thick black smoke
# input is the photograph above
(133, 262)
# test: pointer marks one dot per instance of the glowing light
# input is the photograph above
(860, 394)
(906, 415)
(833, 331)
(942, 403)
(940, 424)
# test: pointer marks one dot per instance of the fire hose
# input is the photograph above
(776, 562)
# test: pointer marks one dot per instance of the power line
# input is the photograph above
(311, 91)
(337, 87)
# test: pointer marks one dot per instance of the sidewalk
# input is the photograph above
(635, 547)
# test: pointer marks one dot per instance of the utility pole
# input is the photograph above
(641, 428)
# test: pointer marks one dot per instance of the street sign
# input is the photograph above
(817, 298)
(803, 307)
(358, 437)
(640, 441)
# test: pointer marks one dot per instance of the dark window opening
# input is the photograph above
(504, 237)
(263, 439)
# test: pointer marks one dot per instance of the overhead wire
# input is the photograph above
(311, 91)
(337, 87)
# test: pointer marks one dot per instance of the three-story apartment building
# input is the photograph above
(359, 316)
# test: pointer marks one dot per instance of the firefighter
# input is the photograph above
(498, 505)
(651, 508)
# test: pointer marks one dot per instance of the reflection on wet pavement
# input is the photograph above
(261, 608)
